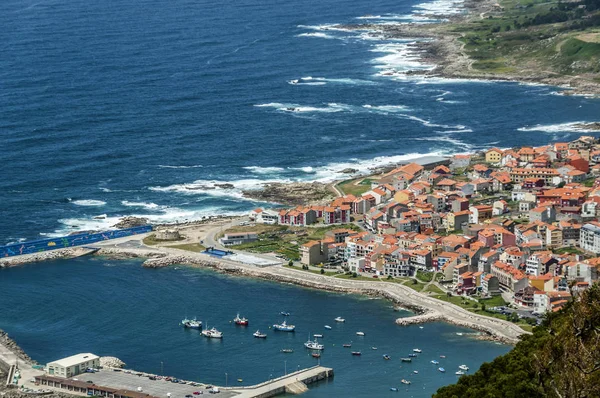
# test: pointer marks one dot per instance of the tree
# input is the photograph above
(291, 263)
(354, 274)
(322, 271)
(482, 306)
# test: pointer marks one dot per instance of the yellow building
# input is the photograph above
(493, 155)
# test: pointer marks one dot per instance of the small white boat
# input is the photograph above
(420, 327)
(212, 333)
(284, 327)
(373, 348)
(459, 373)
(191, 323)
(442, 370)
(360, 333)
(417, 350)
(314, 345)
(463, 367)
(328, 327)
(259, 335)
(317, 336)
(403, 381)
(459, 333)
(435, 362)
(339, 319)
(416, 372)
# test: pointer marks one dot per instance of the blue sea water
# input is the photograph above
(120, 107)
(118, 308)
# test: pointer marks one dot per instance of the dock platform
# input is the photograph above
(291, 383)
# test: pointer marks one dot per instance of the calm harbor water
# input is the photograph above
(118, 308)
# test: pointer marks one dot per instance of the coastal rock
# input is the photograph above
(111, 362)
(349, 170)
(296, 193)
(130, 222)
(11, 345)
(595, 126)
(225, 186)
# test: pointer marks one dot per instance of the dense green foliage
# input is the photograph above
(560, 359)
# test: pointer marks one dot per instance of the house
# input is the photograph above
(456, 220)
(571, 232)
(590, 237)
(510, 279)
(238, 238)
(460, 161)
(446, 185)
(499, 207)
(493, 155)
(480, 213)
(486, 260)
(519, 174)
(312, 253)
(546, 214)
(526, 154)
(490, 286)
(267, 217)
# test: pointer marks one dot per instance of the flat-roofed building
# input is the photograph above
(73, 365)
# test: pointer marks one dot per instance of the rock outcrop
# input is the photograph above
(130, 222)
(111, 362)
(296, 193)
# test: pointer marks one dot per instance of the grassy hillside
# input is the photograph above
(560, 359)
(529, 37)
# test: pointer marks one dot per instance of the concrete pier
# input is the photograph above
(293, 383)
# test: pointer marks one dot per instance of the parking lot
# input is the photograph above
(158, 388)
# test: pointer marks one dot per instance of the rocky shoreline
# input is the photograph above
(12, 345)
(294, 193)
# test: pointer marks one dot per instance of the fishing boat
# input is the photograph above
(339, 319)
(356, 353)
(259, 335)
(285, 313)
(433, 361)
(191, 323)
(459, 373)
(287, 350)
(346, 345)
(403, 381)
(284, 327)
(413, 355)
(316, 355)
(212, 333)
(416, 372)
(406, 359)
(314, 345)
(417, 350)
(328, 327)
(386, 357)
(463, 367)
(317, 336)
(360, 333)
(442, 370)
(393, 389)
(240, 321)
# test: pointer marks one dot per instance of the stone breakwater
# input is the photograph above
(70, 252)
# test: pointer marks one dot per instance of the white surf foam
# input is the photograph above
(387, 108)
(319, 35)
(331, 107)
(440, 7)
(264, 170)
(401, 57)
(558, 128)
(212, 188)
(144, 205)
(318, 81)
(88, 202)
(448, 140)
(428, 123)
(166, 166)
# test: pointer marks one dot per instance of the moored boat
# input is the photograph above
(287, 350)
(393, 389)
(433, 361)
(386, 357)
(442, 370)
(191, 323)
(259, 335)
(356, 353)
(285, 313)
(442, 356)
(463, 367)
(459, 373)
(212, 333)
(360, 333)
(240, 320)
(413, 355)
(284, 327)
(417, 350)
(327, 327)
(416, 372)
(314, 345)
(406, 359)
(346, 345)
(316, 355)
(373, 348)
(339, 319)
(403, 381)
(317, 336)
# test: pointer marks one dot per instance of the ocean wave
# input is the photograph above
(264, 170)
(332, 107)
(558, 128)
(319, 35)
(218, 188)
(427, 123)
(440, 7)
(148, 206)
(314, 81)
(448, 140)
(166, 166)
(401, 57)
(88, 202)
(387, 108)
(330, 26)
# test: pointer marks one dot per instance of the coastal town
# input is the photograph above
(518, 223)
